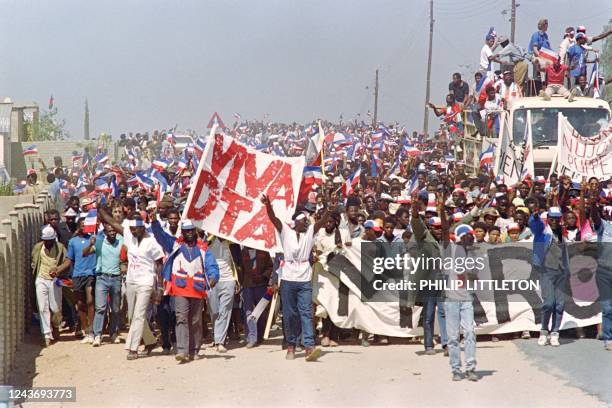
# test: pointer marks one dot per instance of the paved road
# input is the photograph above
(389, 376)
(578, 363)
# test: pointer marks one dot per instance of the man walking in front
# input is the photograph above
(188, 273)
(551, 260)
(47, 264)
(111, 257)
(296, 286)
(458, 307)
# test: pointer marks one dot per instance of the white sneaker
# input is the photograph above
(96, 341)
(87, 339)
(608, 345)
(115, 339)
(554, 339)
(543, 340)
(221, 348)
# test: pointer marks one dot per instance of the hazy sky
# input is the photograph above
(151, 64)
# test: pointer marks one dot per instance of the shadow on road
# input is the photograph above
(24, 370)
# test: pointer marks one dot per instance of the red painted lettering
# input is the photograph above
(283, 182)
(257, 185)
(260, 220)
(235, 204)
(206, 183)
(220, 160)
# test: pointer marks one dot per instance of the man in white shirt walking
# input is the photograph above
(296, 286)
(144, 257)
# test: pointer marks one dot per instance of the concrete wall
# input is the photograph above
(21, 219)
(47, 151)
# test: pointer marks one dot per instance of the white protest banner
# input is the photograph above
(224, 199)
(507, 163)
(340, 289)
(580, 156)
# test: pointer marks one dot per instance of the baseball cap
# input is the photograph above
(435, 222)
(385, 196)
(463, 230)
(554, 212)
(187, 225)
(372, 225)
(514, 227)
(70, 213)
(48, 233)
(580, 35)
(490, 211)
(458, 216)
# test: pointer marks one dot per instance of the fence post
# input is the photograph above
(11, 264)
(4, 309)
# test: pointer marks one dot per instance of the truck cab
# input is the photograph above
(587, 115)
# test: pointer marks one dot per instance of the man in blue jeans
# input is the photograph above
(108, 248)
(297, 242)
(458, 307)
(552, 263)
(604, 270)
(428, 242)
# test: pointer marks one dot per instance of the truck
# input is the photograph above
(587, 115)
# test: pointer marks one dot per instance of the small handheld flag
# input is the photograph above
(30, 150)
(89, 225)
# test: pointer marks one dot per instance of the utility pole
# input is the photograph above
(431, 27)
(512, 20)
(86, 121)
(375, 118)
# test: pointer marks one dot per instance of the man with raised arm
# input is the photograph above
(297, 242)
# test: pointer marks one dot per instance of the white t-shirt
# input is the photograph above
(296, 267)
(326, 243)
(485, 53)
(141, 258)
(223, 256)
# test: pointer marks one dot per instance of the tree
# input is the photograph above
(86, 121)
(50, 128)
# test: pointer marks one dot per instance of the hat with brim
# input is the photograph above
(48, 233)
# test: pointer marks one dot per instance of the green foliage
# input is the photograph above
(6, 190)
(51, 128)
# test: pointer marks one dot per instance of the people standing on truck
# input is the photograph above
(487, 58)
(459, 88)
(577, 56)
(555, 74)
(538, 41)
(508, 89)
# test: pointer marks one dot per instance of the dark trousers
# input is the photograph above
(166, 320)
(188, 325)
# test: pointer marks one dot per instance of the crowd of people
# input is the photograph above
(133, 264)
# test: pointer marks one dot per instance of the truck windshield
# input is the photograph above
(587, 121)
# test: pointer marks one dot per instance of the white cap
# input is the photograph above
(48, 233)
(70, 213)
(187, 225)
